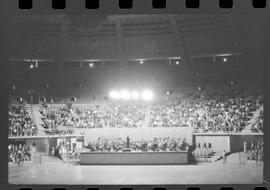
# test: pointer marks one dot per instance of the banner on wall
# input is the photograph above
(138, 133)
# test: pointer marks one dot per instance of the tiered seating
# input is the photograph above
(257, 127)
(206, 112)
(61, 119)
(20, 122)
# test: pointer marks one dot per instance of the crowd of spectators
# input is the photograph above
(19, 153)
(124, 115)
(207, 112)
(20, 122)
(255, 151)
(65, 119)
(257, 127)
(155, 144)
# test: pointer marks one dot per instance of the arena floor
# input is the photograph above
(207, 173)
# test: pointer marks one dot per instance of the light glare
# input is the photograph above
(135, 95)
(125, 95)
(147, 95)
(114, 95)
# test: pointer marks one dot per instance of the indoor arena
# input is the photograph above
(135, 99)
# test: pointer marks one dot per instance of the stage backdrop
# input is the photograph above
(138, 133)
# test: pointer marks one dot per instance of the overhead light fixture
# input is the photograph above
(135, 95)
(147, 95)
(114, 95)
(125, 95)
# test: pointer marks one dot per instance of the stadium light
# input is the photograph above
(114, 95)
(224, 59)
(177, 62)
(125, 95)
(91, 64)
(135, 95)
(147, 95)
(31, 66)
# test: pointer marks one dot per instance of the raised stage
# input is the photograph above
(133, 158)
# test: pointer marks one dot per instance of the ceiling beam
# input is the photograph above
(181, 44)
(121, 48)
(61, 45)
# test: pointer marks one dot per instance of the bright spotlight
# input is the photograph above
(177, 62)
(114, 95)
(147, 95)
(135, 95)
(125, 95)
(141, 62)
(224, 59)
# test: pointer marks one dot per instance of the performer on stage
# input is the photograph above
(128, 139)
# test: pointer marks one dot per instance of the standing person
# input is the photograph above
(128, 141)
(224, 157)
(245, 147)
(251, 146)
(20, 157)
(53, 151)
(204, 145)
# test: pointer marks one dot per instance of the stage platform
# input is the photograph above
(134, 158)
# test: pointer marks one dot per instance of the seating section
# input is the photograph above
(64, 119)
(205, 112)
(19, 153)
(212, 112)
(20, 122)
(258, 125)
